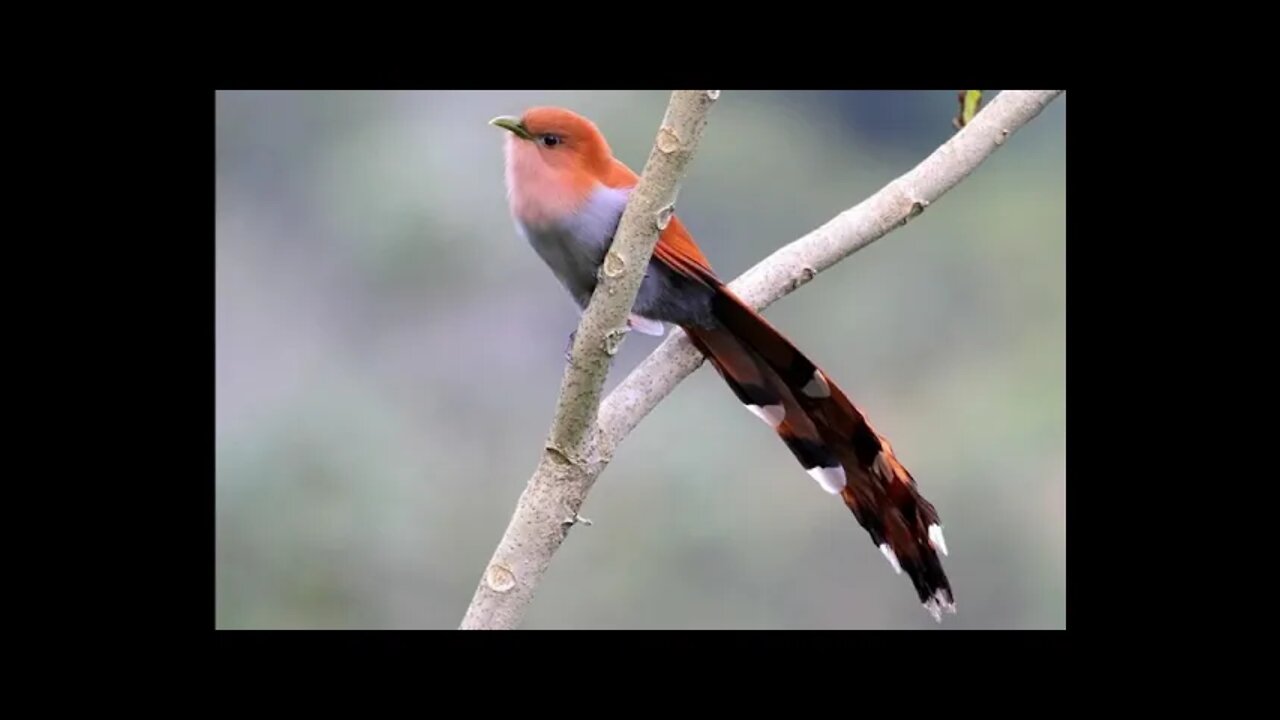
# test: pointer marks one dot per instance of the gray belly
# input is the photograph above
(574, 248)
(572, 260)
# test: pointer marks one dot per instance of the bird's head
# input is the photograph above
(557, 137)
(554, 158)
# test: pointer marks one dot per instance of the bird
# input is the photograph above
(566, 192)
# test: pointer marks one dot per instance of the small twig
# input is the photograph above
(970, 101)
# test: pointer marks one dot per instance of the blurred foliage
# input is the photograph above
(389, 353)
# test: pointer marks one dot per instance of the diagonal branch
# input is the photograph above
(550, 503)
(794, 265)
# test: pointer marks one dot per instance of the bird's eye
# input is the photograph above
(550, 140)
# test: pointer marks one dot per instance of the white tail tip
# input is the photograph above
(936, 539)
(817, 386)
(772, 415)
(936, 604)
(831, 479)
(891, 557)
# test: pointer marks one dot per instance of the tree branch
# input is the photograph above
(549, 505)
(504, 594)
(794, 265)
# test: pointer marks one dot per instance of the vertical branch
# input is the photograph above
(549, 505)
(603, 324)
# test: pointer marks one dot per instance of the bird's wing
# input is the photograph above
(675, 247)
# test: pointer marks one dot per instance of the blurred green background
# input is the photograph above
(389, 353)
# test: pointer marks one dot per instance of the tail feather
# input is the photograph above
(831, 439)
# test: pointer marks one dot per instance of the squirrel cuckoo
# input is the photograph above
(567, 192)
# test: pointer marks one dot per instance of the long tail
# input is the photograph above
(831, 439)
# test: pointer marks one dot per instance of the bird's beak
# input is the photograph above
(506, 122)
